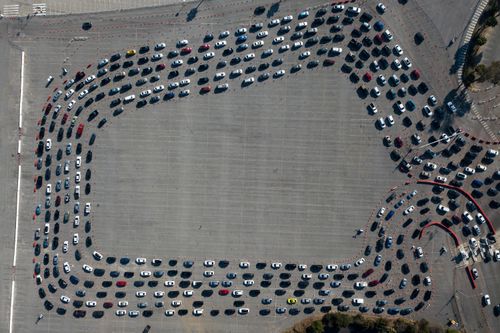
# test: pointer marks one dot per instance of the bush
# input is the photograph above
(316, 327)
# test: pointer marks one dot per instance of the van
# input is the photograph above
(129, 98)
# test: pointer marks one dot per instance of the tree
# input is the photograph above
(481, 71)
(491, 21)
(481, 40)
(423, 326)
(316, 327)
(361, 324)
(382, 325)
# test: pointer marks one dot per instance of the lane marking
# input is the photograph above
(18, 194)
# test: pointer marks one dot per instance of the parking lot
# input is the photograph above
(301, 184)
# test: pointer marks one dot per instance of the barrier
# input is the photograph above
(445, 228)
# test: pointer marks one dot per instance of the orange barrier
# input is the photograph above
(445, 228)
(462, 191)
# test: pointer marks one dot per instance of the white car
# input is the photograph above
(89, 79)
(83, 94)
(419, 253)
(467, 217)
(409, 210)
(306, 276)
(441, 179)
(91, 304)
(390, 120)
(398, 50)
(159, 88)
(359, 262)
(159, 294)
(304, 55)
(427, 111)
(87, 268)
(78, 177)
(243, 311)
(278, 40)
(388, 35)
(133, 313)
(257, 44)
(224, 34)
(237, 72)
(97, 256)
(76, 221)
(182, 43)
(381, 212)
(140, 293)
(208, 263)
(157, 56)
(302, 25)
(76, 239)
(145, 93)
(241, 31)
(376, 92)
(65, 246)
(48, 144)
(249, 56)
(445, 138)
(336, 50)
(69, 93)
(177, 63)
(88, 208)
(184, 82)
(140, 261)
(480, 218)
(287, 19)
(220, 75)
(169, 313)
(66, 267)
(430, 166)
(262, 34)
(160, 46)
(427, 281)
(381, 122)
(443, 209)
(279, 73)
(486, 300)
(184, 93)
(360, 285)
(249, 80)
(209, 55)
(284, 48)
(396, 63)
(121, 313)
(331, 268)
(274, 22)
(406, 62)
(208, 273)
(237, 293)
(78, 162)
(173, 85)
(197, 312)
(145, 273)
(187, 293)
(169, 283)
(276, 265)
(176, 303)
(48, 190)
(244, 264)
(222, 86)
(248, 283)
(220, 44)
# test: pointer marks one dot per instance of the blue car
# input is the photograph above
(241, 39)
(388, 242)
(389, 215)
(38, 209)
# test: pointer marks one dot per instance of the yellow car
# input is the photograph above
(291, 301)
(131, 53)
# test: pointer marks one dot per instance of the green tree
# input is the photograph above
(382, 325)
(451, 330)
(361, 324)
(481, 71)
(481, 40)
(423, 326)
(316, 327)
(491, 21)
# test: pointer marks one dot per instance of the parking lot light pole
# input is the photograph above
(439, 140)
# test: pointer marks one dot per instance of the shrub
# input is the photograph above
(481, 40)
(316, 327)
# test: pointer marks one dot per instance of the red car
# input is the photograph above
(367, 77)
(367, 273)
(329, 62)
(79, 130)
(378, 39)
(159, 67)
(373, 283)
(204, 47)
(48, 108)
(121, 283)
(205, 89)
(58, 200)
(186, 50)
(415, 74)
(79, 75)
(64, 118)
(223, 292)
(398, 142)
(107, 305)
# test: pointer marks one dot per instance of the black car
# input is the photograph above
(227, 51)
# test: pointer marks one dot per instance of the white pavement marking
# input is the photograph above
(14, 261)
